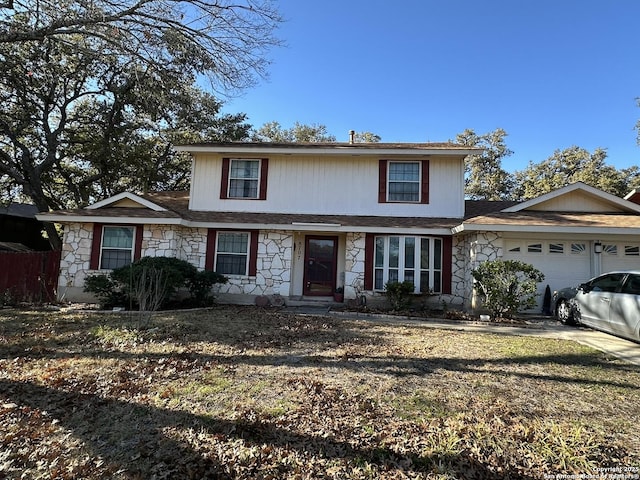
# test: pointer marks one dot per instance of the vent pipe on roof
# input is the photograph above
(352, 136)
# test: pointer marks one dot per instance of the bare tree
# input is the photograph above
(223, 40)
(96, 90)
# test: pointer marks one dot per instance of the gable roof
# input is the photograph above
(122, 198)
(616, 203)
(576, 208)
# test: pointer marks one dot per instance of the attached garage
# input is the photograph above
(571, 235)
(563, 262)
(618, 255)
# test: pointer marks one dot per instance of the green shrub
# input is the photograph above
(107, 291)
(507, 286)
(174, 275)
(399, 294)
(129, 284)
(199, 285)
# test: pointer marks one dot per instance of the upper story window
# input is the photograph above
(403, 181)
(244, 178)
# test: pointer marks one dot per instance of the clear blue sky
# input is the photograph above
(552, 73)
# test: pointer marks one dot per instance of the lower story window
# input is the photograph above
(117, 247)
(414, 259)
(232, 256)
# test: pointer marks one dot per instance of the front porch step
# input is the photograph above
(319, 302)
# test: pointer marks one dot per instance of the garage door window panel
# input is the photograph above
(534, 248)
(632, 251)
(578, 249)
(556, 248)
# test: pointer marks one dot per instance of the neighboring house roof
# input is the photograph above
(332, 148)
(24, 210)
(14, 247)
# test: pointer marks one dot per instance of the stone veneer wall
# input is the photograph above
(75, 257)
(274, 262)
(275, 251)
(481, 247)
(185, 243)
(354, 265)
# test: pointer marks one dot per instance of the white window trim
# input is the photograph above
(247, 254)
(419, 181)
(231, 178)
(103, 248)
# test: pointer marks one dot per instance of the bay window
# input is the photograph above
(407, 258)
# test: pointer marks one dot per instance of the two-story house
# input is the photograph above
(300, 220)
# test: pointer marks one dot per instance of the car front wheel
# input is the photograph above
(564, 313)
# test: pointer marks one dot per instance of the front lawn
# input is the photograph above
(240, 392)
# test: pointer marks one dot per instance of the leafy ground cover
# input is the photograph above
(241, 392)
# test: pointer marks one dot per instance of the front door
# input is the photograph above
(320, 260)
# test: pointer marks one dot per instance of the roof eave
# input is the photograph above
(467, 228)
(326, 150)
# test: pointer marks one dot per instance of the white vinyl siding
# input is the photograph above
(317, 185)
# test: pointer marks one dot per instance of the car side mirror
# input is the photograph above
(585, 288)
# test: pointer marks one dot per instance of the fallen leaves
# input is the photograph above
(240, 393)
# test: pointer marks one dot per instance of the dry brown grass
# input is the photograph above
(239, 392)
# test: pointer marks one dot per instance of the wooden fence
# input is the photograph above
(29, 276)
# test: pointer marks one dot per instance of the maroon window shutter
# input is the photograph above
(447, 259)
(137, 250)
(253, 253)
(224, 184)
(210, 253)
(424, 196)
(94, 262)
(369, 247)
(382, 181)
(264, 171)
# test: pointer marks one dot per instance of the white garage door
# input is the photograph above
(564, 263)
(620, 256)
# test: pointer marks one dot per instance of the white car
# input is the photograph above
(611, 303)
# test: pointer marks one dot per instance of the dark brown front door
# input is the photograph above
(320, 258)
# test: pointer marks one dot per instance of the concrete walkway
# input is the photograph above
(536, 327)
